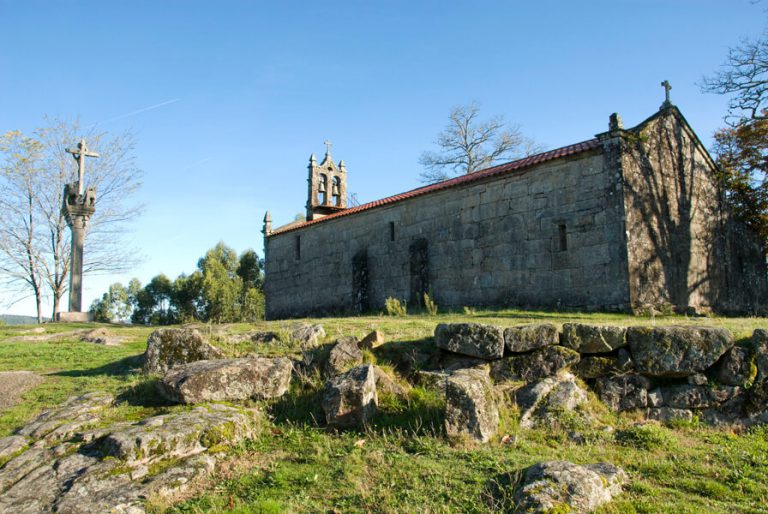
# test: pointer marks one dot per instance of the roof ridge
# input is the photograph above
(522, 163)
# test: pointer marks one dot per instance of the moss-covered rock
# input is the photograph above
(593, 338)
(530, 367)
(169, 347)
(677, 351)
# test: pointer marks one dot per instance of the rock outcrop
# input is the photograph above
(254, 378)
(117, 467)
(169, 347)
(560, 486)
(350, 399)
(470, 406)
(307, 334)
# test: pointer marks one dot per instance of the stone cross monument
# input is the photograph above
(78, 206)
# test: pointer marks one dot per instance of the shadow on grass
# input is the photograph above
(144, 394)
(121, 367)
(421, 413)
(407, 357)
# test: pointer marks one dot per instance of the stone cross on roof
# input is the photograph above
(327, 147)
(80, 153)
(667, 86)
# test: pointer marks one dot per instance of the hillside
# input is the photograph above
(402, 461)
(15, 319)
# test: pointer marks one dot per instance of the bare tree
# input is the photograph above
(20, 223)
(468, 145)
(744, 75)
(115, 177)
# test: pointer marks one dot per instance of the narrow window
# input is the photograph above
(563, 237)
(297, 248)
(391, 230)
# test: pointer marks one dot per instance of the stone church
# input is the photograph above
(629, 220)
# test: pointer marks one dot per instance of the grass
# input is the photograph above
(403, 462)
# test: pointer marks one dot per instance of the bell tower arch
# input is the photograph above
(327, 186)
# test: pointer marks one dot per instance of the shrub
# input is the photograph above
(430, 305)
(469, 311)
(395, 307)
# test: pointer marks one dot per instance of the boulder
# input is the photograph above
(470, 407)
(530, 367)
(307, 334)
(593, 366)
(472, 339)
(560, 486)
(733, 367)
(686, 396)
(372, 340)
(227, 380)
(667, 414)
(530, 337)
(624, 392)
(677, 351)
(344, 355)
(550, 395)
(592, 338)
(169, 347)
(350, 399)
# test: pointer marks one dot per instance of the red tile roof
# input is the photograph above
(520, 164)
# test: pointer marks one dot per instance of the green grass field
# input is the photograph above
(403, 462)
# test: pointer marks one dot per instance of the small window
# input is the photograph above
(563, 237)
(297, 248)
(391, 230)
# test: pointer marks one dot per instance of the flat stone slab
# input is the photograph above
(677, 351)
(533, 366)
(530, 337)
(593, 338)
(254, 378)
(13, 384)
(472, 339)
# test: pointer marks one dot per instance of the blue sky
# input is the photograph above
(251, 89)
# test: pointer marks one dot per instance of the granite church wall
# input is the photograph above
(675, 224)
(548, 236)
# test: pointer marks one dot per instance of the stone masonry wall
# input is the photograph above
(548, 236)
(674, 224)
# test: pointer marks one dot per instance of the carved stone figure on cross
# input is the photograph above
(79, 154)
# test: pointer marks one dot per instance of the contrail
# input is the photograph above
(144, 109)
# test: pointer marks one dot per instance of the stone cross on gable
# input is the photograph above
(80, 153)
(667, 86)
(327, 147)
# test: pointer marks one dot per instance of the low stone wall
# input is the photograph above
(668, 373)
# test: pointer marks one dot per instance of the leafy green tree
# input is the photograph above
(154, 303)
(742, 156)
(187, 297)
(249, 269)
(114, 306)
